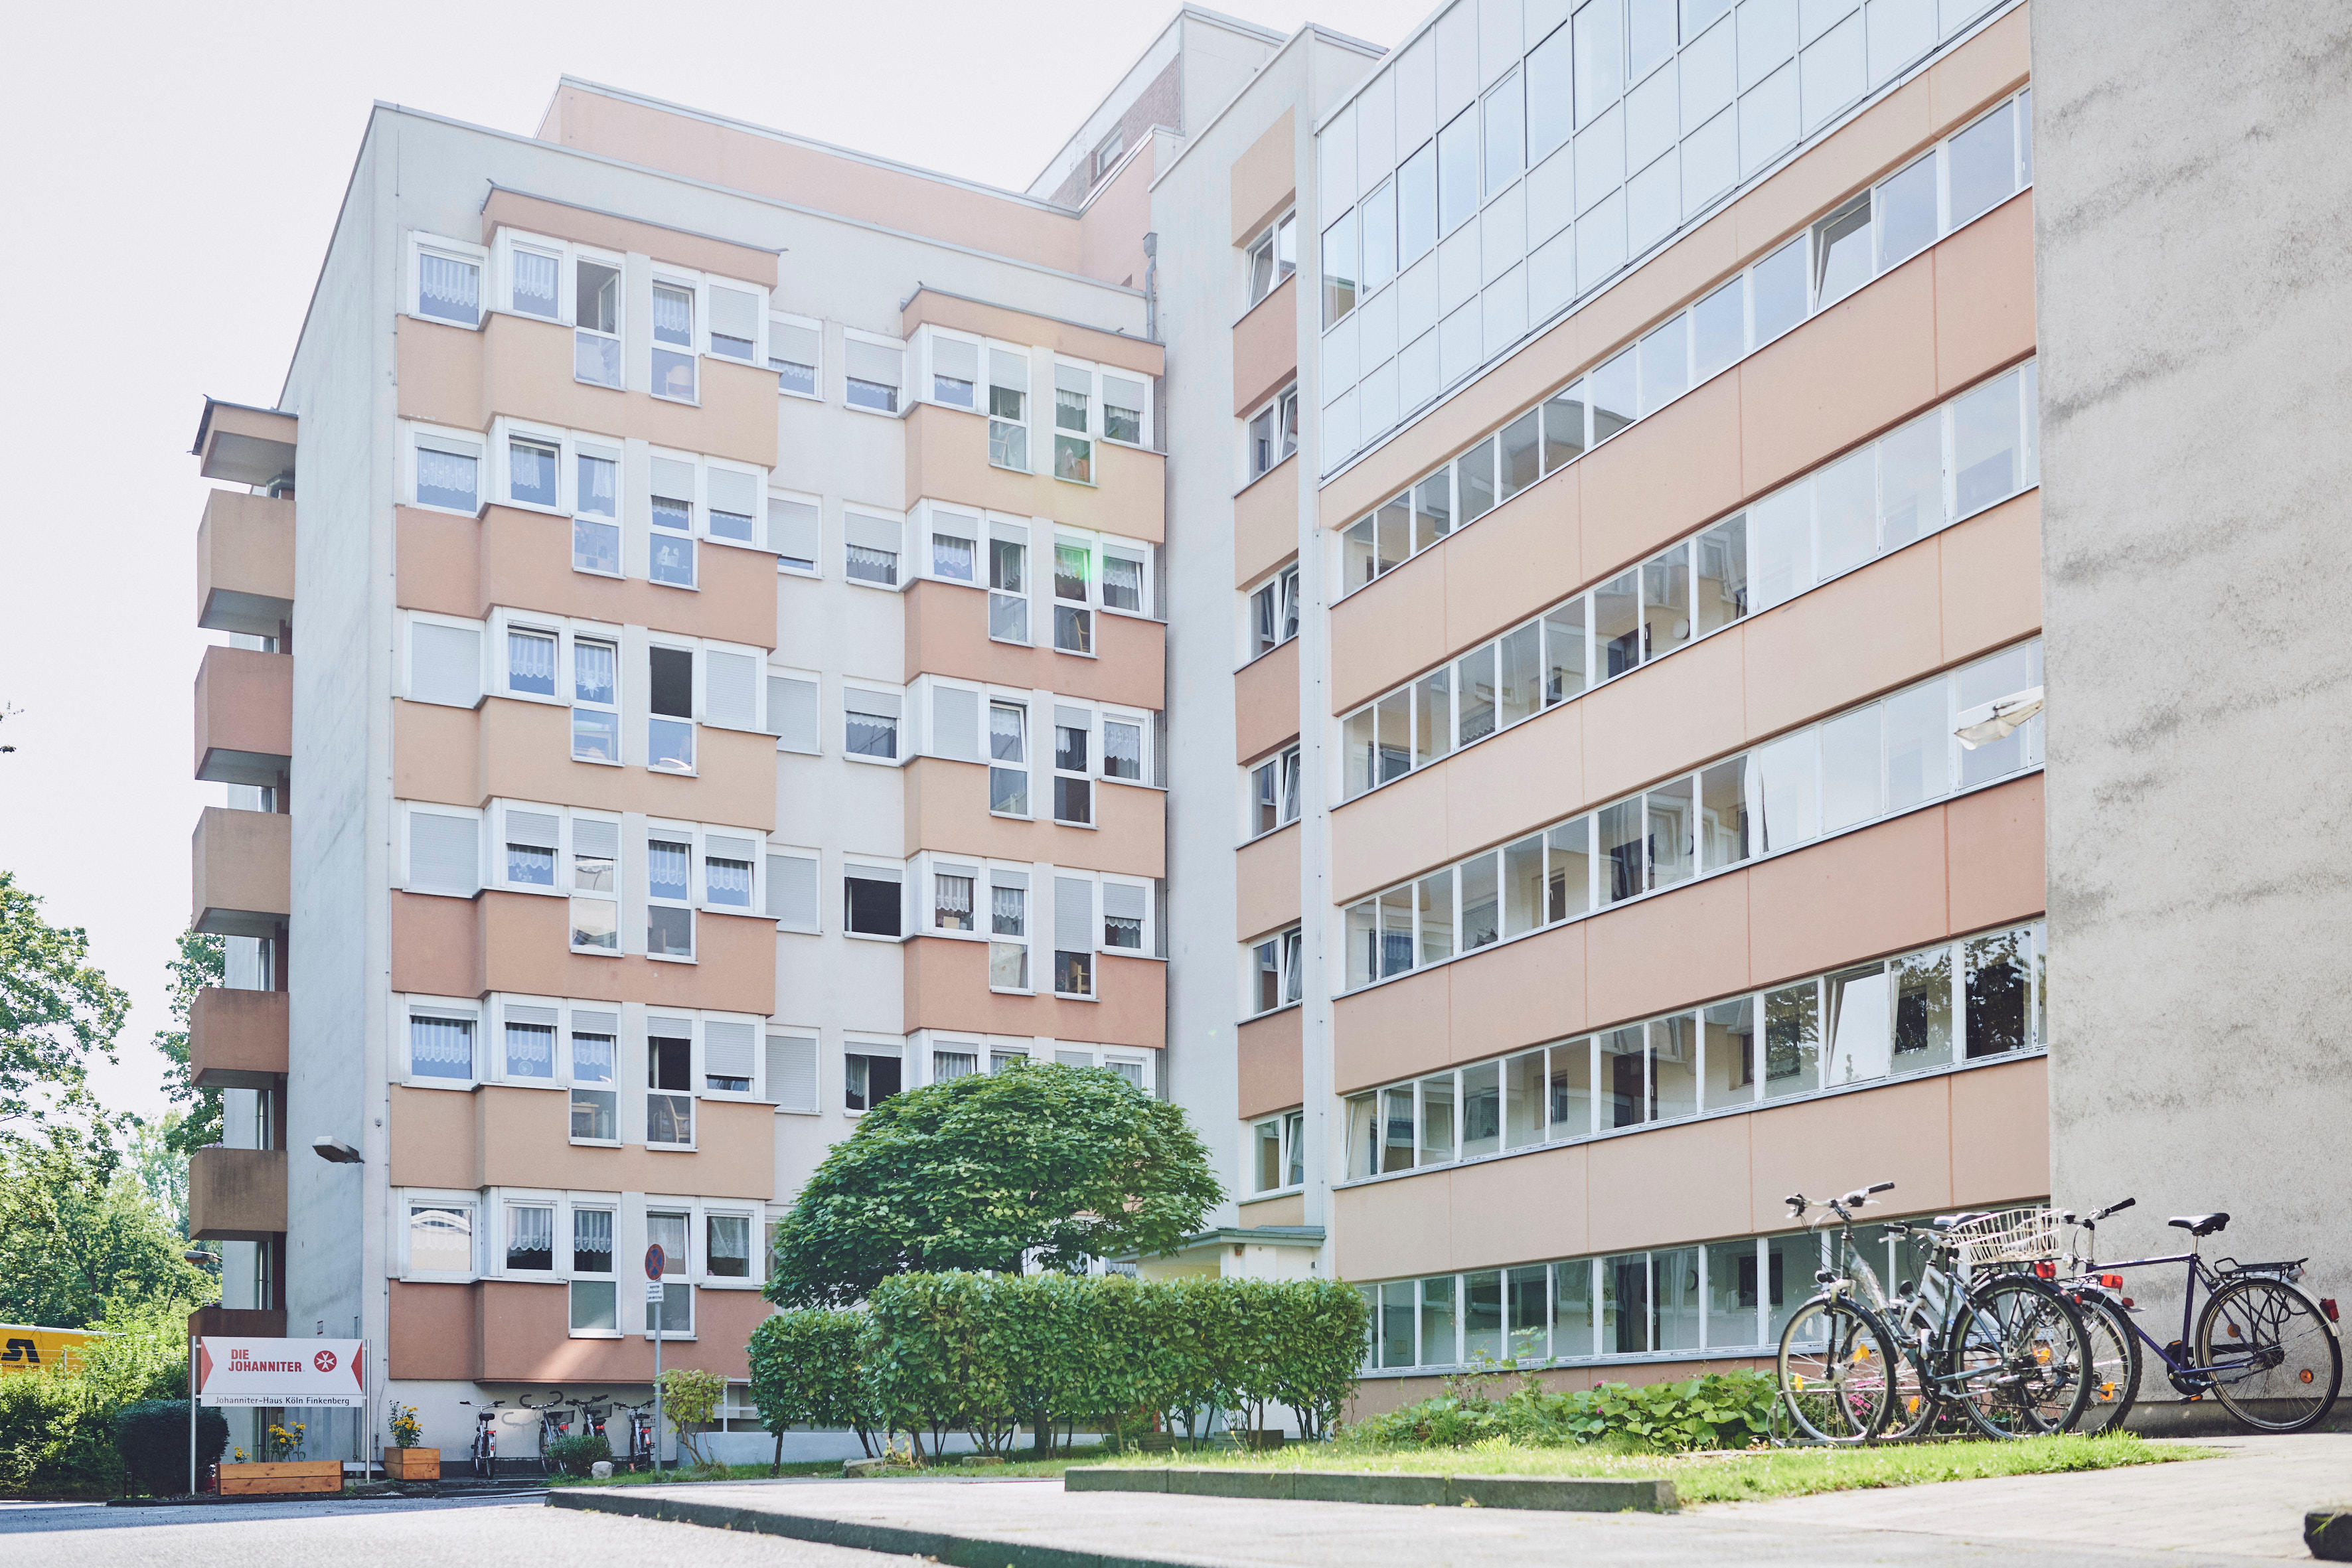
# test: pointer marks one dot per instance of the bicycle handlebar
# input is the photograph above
(2114, 1208)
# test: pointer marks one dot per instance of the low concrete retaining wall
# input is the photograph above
(1582, 1494)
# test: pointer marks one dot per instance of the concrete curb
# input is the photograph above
(957, 1550)
(1597, 1494)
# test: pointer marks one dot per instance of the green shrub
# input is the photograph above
(151, 1436)
(1718, 1410)
(56, 1438)
(574, 1452)
(809, 1368)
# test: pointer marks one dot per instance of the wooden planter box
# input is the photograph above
(286, 1476)
(412, 1464)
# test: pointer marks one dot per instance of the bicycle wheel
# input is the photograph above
(2276, 1364)
(2114, 1366)
(1834, 1365)
(2015, 1358)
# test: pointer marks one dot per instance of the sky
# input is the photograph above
(172, 175)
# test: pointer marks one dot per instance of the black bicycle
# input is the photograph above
(2263, 1347)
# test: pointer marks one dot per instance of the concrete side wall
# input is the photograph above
(2193, 212)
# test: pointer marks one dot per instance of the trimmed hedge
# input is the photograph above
(1718, 1410)
(151, 1436)
(987, 1353)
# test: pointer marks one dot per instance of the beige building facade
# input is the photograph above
(1416, 601)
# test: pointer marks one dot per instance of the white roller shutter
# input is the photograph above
(792, 890)
(791, 1072)
(727, 1048)
(791, 712)
(444, 856)
(730, 691)
(955, 724)
(444, 663)
(1074, 915)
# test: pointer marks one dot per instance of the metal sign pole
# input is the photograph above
(658, 1311)
(191, 1417)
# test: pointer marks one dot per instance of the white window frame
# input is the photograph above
(1026, 764)
(1274, 781)
(815, 683)
(566, 1222)
(926, 518)
(414, 618)
(1280, 593)
(692, 1093)
(421, 243)
(567, 1070)
(816, 862)
(672, 832)
(692, 647)
(498, 462)
(581, 446)
(702, 1078)
(928, 338)
(413, 432)
(1091, 773)
(876, 339)
(1289, 1130)
(1270, 240)
(1027, 423)
(1148, 937)
(413, 809)
(413, 1005)
(755, 906)
(1011, 875)
(899, 575)
(1288, 948)
(1057, 876)
(1136, 720)
(816, 371)
(1091, 591)
(859, 1044)
(811, 566)
(899, 870)
(442, 1197)
(690, 284)
(899, 728)
(777, 1027)
(1015, 533)
(1279, 414)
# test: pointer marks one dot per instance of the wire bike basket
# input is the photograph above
(2017, 1236)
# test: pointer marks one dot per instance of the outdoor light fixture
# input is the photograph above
(1994, 721)
(334, 1148)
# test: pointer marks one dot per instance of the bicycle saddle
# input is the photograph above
(2199, 1224)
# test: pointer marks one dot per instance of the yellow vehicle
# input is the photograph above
(25, 1348)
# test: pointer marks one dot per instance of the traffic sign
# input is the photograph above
(654, 1293)
(654, 1259)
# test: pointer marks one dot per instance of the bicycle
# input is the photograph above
(485, 1437)
(641, 1435)
(551, 1427)
(2006, 1350)
(2265, 1348)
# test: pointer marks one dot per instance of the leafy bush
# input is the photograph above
(809, 1368)
(56, 1438)
(574, 1452)
(689, 1397)
(1718, 1410)
(151, 1436)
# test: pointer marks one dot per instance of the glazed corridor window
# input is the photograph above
(1973, 452)
(1273, 794)
(1272, 257)
(1277, 1154)
(1957, 1002)
(1274, 612)
(1276, 972)
(870, 899)
(1881, 758)
(794, 353)
(673, 342)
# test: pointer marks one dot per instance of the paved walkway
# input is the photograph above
(2248, 1504)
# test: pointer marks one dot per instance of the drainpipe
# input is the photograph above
(1151, 286)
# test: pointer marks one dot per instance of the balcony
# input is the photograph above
(244, 563)
(236, 1322)
(240, 445)
(236, 1040)
(1266, 348)
(245, 717)
(240, 873)
(237, 1194)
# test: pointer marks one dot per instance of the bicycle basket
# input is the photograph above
(2017, 1236)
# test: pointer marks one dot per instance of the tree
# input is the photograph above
(79, 1238)
(56, 1009)
(198, 965)
(1056, 1164)
(159, 1164)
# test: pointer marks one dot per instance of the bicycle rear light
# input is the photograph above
(2045, 1271)
(2327, 1305)
(2127, 1302)
(2112, 1281)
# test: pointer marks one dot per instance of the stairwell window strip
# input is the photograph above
(1879, 760)
(1970, 453)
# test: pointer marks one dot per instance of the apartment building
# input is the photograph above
(1422, 601)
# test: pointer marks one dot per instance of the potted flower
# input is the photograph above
(284, 1470)
(407, 1459)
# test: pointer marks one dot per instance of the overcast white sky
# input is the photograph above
(171, 173)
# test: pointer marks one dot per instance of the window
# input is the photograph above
(727, 872)
(1272, 257)
(1072, 423)
(871, 1074)
(1122, 580)
(444, 853)
(870, 547)
(734, 324)
(530, 1044)
(531, 470)
(951, 899)
(440, 1046)
(441, 1239)
(870, 899)
(449, 287)
(955, 370)
(954, 546)
(727, 1247)
(1107, 153)
(1073, 623)
(1276, 978)
(792, 353)
(731, 504)
(448, 473)
(530, 1237)
(727, 1051)
(596, 700)
(669, 695)
(1008, 928)
(1008, 408)
(872, 372)
(669, 894)
(951, 1062)
(594, 1307)
(1008, 759)
(595, 887)
(1073, 947)
(1073, 791)
(1274, 432)
(674, 1313)
(670, 1081)
(791, 1072)
(1124, 913)
(530, 662)
(670, 548)
(870, 724)
(1125, 409)
(595, 1106)
(1008, 602)
(1278, 1161)
(1339, 259)
(1122, 749)
(1274, 792)
(1274, 612)
(792, 890)
(673, 342)
(596, 513)
(596, 322)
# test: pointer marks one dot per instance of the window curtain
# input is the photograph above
(534, 283)
(530, 1050)
(451, 288)
(592, 1060)
(441, 1047)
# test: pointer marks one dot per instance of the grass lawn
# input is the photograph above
(1712, 1477)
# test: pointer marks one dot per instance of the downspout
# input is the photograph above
(1151, 286)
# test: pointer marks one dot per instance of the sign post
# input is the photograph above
(654, 1313)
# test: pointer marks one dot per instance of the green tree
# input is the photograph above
(56, 1009)
(159, 1164)
(79, 1238)
(199, 964)
(1058, 1164)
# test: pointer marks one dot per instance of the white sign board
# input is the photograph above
(654, 1293)
(233, 1371)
